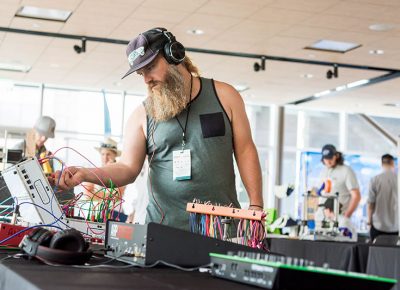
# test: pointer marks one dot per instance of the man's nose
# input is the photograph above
(147, 78)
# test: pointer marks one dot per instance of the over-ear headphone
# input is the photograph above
(174, 51)
(66, 247)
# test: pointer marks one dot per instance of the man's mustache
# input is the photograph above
(152, 84)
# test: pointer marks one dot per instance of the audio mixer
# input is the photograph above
(279, 272)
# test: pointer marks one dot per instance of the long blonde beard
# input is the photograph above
(169, 98)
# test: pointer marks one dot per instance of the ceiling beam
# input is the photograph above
(392, 139)
(206, 51)
(347, 87)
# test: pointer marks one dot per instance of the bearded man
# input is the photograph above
(190, 128)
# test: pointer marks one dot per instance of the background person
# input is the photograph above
(95, 193)
(342, 179)
(382, 200)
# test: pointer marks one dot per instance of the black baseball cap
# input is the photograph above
(143, 49)
(328, 151)
(387, 159)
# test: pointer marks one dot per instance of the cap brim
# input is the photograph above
(141, 64)
(46, 134)
(328, 156)
(118, 152)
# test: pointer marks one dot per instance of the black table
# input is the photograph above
(348, 256)
(24, 274)
(384, 261)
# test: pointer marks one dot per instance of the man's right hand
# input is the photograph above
(70, 177)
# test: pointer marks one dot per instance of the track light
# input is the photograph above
(78, 49)
(333, 73)
(257, 66)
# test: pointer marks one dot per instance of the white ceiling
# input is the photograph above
(272, 27)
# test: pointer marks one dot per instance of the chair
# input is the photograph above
(387, 240)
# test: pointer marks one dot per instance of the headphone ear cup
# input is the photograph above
(177, 51)
(174, 52)
(167, 54)
(68, 240)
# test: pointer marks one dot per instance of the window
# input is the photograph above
(321, 128)
(20, 105)
(131, 103)
(259, 118)
(83, 111)
(290, 128)
(391, 125)
(362, 137)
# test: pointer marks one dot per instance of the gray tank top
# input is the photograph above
(210, 140)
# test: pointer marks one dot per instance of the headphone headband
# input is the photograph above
(174, 51)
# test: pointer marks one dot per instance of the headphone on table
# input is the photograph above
(174, 51)
(66, 247)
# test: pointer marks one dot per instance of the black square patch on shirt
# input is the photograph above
(212, 125)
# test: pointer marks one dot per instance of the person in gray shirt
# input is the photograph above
(382, 201)
(342, 179)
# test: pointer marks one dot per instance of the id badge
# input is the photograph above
(181, 165)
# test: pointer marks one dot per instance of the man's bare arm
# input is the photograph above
(370, 212)
(244, 148)
(125, 170)
(354, 201)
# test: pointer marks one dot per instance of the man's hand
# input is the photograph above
(70, 177)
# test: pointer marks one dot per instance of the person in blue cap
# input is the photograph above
(342, 180)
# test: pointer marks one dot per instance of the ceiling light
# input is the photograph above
(333, 46)
(376, 51)
(241, 87)
(307, 76)
(195, 31)
(397, 105)
(381, 27)
(340, 88)
(15, 67)
(323, 93)
(357, 83)
(43, 13)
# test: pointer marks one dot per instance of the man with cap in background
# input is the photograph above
(342, 180)
(44, 129)
(190, 128)
(34, 144)
(382, 201)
